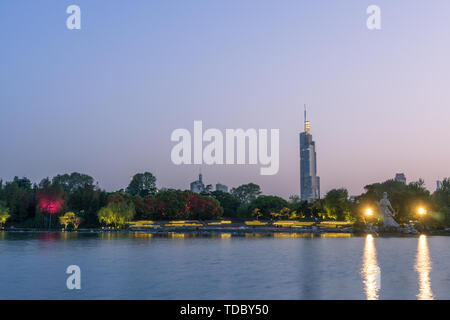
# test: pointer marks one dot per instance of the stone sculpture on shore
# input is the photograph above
(387, 213)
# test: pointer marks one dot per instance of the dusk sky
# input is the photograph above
(105, 99)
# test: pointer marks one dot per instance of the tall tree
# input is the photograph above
(267, 205)
(229, 203)
(74, 181)
(337, 204)
(19, 197)
(84, 197)
(51, 197)
(301, 207)
(246, 193)
(142, 184)
(441, 199)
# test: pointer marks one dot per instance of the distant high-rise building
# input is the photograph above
(198, 186)
(438, 185)
(221, 187)
(309, 181)
(400, 177)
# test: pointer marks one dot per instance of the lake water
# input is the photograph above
(177, 266)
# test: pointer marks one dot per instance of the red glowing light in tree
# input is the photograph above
(50, 206)
(50, 198)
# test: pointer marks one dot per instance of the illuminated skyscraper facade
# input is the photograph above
(309, 181)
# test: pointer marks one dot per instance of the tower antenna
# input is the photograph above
(305, 112)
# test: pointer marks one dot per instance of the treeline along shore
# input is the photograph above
(75, 201)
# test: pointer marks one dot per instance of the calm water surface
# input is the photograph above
(139, 266)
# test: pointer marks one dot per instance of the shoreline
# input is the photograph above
(205, 231)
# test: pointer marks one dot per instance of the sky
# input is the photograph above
(105, 99)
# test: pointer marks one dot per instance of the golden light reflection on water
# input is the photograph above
(225, 235)
(336, 235)
(228, 235)
(370, 270)
(142, 235)
(292, 235)
(106, 235)
(423, 268)
(175, 235)
(257, 235)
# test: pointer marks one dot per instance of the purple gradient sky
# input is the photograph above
(104, 100)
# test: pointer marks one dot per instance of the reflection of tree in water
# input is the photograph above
(423, 268)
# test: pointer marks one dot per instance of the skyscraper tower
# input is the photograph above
(309, 181)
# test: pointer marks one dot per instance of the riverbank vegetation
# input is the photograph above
(4, 214)
(70, 219)
(75, 200)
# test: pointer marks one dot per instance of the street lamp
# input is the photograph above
(368, 218)
(421, 211)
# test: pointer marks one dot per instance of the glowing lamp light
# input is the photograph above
(369, 212)
(421, 211)
(50, 206)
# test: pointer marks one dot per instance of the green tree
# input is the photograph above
(20, 199)
(285, 213)
(177, 204)
(83, 196)
(243, 211)
(142, 184)
(228, 202)
(316, 209)
(294, 215)
(117, 214)
(51, 197)
(441, 200)
(301, 207)
(268, 205)
(86, 201)
(246, 193)
(70, 218)
(106, 216)
(337, 205)
(73, 182)
(275, 215)
(256, 213)
(4, 214)
(405, 198)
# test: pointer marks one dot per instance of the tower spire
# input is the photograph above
(307, 125)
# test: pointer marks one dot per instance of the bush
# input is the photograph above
(359, 226)
(70, 218)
